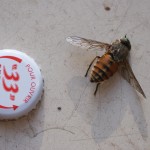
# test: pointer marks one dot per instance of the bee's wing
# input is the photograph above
(128, 75)
(87, 43)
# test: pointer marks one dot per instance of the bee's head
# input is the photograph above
(120, 49)
(125, 41)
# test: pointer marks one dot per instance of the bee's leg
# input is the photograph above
(91, 65)
(96, 88)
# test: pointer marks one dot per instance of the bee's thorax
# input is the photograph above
(119, 51)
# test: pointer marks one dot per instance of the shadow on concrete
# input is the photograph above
(106, 111)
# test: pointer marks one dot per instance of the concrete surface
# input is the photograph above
(117, 118)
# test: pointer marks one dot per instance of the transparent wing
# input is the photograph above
(128, 75)
(87, 43)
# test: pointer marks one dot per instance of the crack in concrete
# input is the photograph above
(77, 105)
(53, 128)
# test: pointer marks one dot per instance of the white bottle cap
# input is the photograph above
(21, 84)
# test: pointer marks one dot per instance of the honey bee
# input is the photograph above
(115, 58)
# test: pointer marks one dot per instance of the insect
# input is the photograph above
(115, 58)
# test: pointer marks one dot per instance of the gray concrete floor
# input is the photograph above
(116, 119)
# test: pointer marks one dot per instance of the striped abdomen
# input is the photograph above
(104, 68)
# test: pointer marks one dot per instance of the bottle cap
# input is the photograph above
(21, 84)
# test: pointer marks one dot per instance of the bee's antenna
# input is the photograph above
(125, 35)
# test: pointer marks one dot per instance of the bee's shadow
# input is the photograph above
(107, 109)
